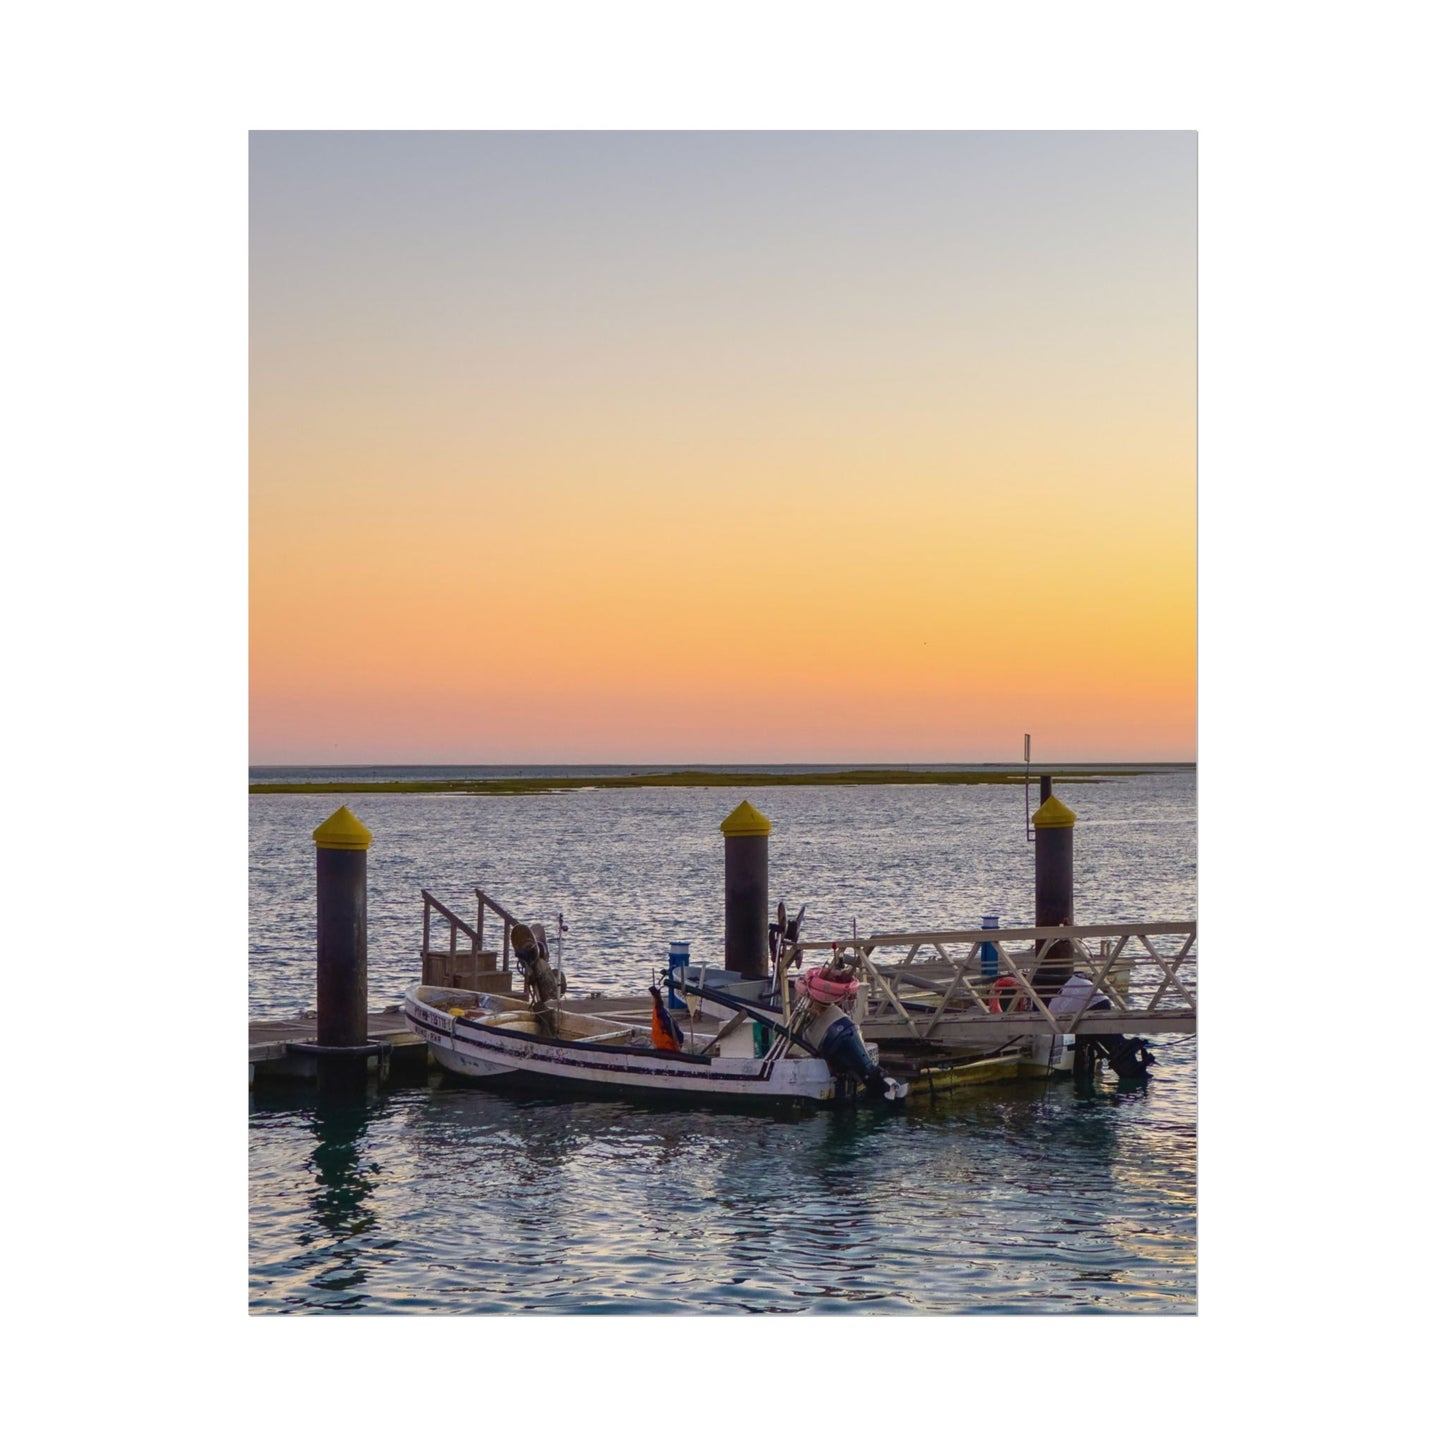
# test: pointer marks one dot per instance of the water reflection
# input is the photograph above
(336, 1159)
(465, 1201)
(344, 1180)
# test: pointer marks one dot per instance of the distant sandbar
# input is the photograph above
(856, 777)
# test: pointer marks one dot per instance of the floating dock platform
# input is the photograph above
(280, 1049)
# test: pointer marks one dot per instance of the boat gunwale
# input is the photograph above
(636, 1050)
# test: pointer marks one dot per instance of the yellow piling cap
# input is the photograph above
(745, 822)
(344, 830)
(1054, 814)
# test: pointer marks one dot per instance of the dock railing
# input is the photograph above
(935, 986)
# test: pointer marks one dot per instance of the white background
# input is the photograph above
(125, 593)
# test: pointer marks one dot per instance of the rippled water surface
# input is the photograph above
(1023, 1197)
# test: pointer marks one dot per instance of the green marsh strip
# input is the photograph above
(857, 777)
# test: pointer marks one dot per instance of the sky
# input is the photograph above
(722, 447)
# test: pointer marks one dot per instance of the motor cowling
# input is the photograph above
(835, 1036)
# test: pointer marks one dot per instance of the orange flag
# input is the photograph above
(665, 1032)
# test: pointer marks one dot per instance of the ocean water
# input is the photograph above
(1024, 1197)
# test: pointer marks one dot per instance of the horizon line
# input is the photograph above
(794, 763)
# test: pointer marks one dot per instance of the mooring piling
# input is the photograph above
(745, 891)
(1053, 823)
(341, 1048)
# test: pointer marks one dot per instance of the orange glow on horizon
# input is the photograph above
(528, 498)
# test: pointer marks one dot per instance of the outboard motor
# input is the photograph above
(1129, 1058)
(834, 1034)
(843, 1048)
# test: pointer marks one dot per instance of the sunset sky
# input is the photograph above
(733, 447)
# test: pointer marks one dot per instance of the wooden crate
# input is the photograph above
(477, 972)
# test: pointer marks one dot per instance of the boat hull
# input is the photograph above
(510, 1057)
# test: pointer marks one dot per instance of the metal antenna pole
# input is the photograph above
(1028, 813)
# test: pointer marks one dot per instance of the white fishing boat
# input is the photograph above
(727, 1049)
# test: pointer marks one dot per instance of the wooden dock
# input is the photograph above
(272, 1057)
